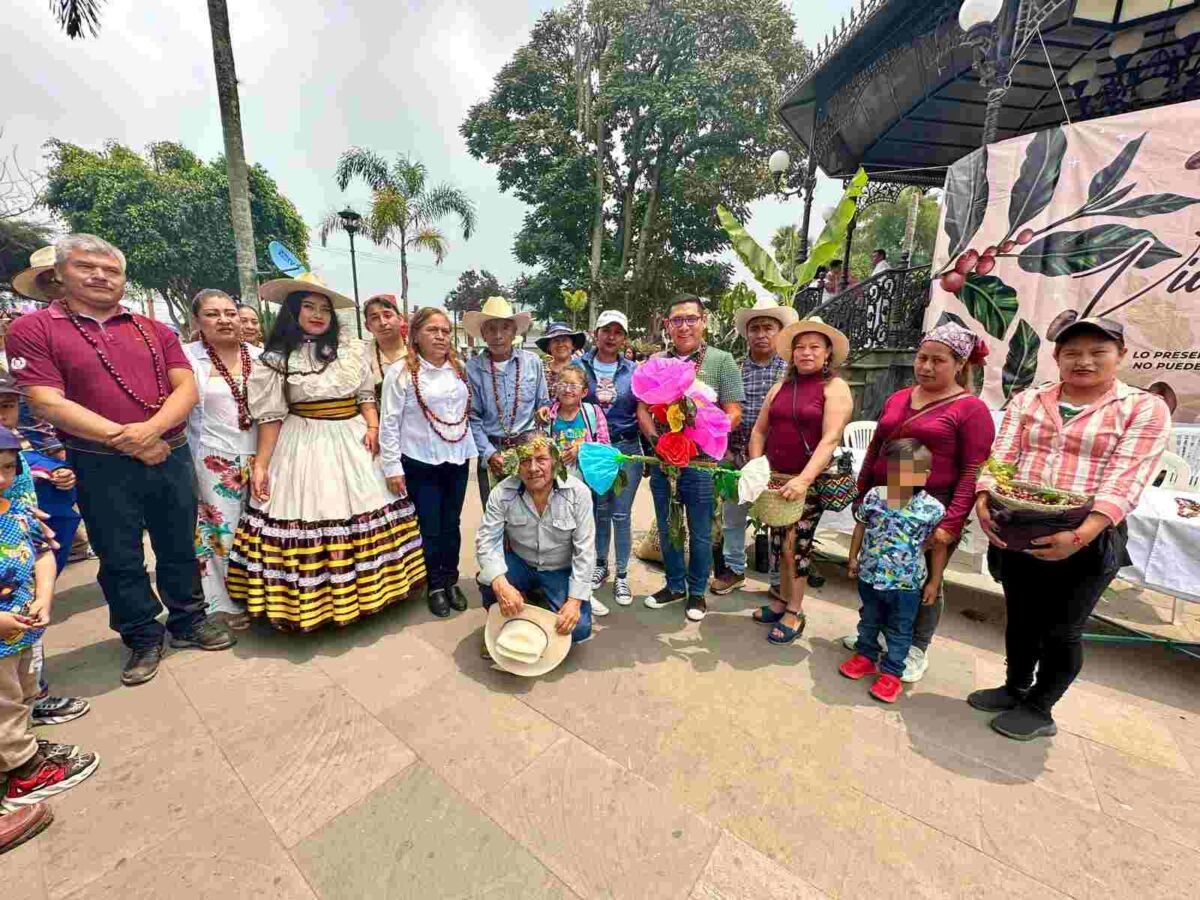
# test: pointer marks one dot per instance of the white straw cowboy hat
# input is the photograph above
(276, 291)
(764, 308)
(841, 344)
(27, 281)
(494, 308)
(525, 644)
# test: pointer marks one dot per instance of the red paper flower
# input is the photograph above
(659, 411)
(676, 449)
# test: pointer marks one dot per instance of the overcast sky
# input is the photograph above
(316, 76)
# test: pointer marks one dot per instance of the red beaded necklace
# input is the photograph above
(432, 418)
(240, 397)
(159, 374)
(512, 416)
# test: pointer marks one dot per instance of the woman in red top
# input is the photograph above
(798, 428)
(957, 427)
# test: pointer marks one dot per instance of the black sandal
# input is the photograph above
(789, 634)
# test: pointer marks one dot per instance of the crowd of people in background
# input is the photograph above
(307, 478)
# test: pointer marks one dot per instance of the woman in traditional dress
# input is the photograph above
(426, 446)
(798, 428)
(222, 437)
(387, 329)
(324, 539)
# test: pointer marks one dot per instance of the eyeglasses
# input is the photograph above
(569, 387)
(684, 321)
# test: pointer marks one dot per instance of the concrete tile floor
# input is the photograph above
(663, 759)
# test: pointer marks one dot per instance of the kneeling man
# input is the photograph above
(538, 533)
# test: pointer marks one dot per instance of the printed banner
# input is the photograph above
(1102, 218)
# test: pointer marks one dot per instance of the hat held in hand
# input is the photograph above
(525, 644)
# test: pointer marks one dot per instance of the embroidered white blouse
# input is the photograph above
(404, 429)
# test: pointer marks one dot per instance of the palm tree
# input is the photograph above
(74, 16)
(404, 210)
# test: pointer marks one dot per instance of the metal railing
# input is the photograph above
(886, 310)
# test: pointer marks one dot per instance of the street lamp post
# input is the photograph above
(352, 224)
(978, 19)
(779, 163)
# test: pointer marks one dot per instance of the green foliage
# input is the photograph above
(575, 301)
(472, 289)
(759, 261)
(683, 93)
(883, 225)
(721, 332)
(18, 239)
(833, 236)
(169, 212)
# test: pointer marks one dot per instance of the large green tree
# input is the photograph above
(18, 239)
(623, 123)
(405, 208)
(168, 211)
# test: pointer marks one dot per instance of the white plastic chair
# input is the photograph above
(857, 435)
(1176, 471)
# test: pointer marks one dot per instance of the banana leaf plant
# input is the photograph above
(828, 246)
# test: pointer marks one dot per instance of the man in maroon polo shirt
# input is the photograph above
(118, 387)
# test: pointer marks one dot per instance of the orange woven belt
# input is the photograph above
(346, 408)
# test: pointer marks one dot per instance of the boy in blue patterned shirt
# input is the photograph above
(33, 769)
(887, 556)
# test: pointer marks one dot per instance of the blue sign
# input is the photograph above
(285, 260)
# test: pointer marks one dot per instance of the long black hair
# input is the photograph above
(287, 335)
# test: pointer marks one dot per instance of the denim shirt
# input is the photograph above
(486, 421)
(622, 415)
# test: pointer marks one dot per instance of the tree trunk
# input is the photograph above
(404, 274)
(235, 152)
(597, 228)
(910, 227)
(648, 222)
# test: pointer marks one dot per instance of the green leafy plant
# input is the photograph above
(576, 302)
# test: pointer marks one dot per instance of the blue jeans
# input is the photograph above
(119, 497)
(733, 521)
(553, 585)
(893, 613)
(696, 495)
(612, 514)
(438, 493)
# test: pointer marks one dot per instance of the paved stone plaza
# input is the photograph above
(663, 759)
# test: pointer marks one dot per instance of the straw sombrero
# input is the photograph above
(29, 281)
(276, 291)
(494, 308)
(841, 344)
(527, 643)
(764, 308)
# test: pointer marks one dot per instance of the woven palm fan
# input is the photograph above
(772, 509)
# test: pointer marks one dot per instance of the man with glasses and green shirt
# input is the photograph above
(685, 323)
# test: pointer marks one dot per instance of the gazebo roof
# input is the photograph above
(894, 88)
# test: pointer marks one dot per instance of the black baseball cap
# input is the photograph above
(1072, 327)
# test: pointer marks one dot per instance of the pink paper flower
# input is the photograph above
(711, 431)
(701, 393)
(660, 380)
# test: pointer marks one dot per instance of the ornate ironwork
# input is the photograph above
(877, 192)
(886, 310)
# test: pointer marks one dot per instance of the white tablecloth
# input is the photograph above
(1164, 546)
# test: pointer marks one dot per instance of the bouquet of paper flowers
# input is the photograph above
(687, 409)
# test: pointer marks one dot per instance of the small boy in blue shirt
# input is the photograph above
(887, 556)
(33, 769)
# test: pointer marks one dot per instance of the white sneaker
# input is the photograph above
(915, 665)
(599, 609)
(621, 591)
(850, 642)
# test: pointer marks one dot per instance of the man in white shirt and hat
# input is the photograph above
(537, 535)
(761, 368)
(508, 387)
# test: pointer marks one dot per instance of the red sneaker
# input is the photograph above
(857, 666)
(886, 688)
(52, 777)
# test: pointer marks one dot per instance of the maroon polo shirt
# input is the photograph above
(46, 350)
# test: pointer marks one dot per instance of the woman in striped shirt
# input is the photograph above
(1088, 433)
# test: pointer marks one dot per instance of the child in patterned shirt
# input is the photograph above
(34, 769)
(887, 556)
